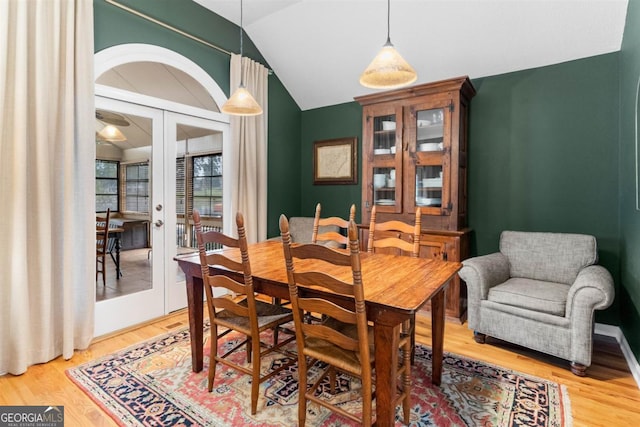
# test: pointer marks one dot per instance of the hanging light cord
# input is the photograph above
(241, 31)
(388, 22)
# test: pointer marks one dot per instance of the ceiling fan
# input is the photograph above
(109, 132)
(111, 118)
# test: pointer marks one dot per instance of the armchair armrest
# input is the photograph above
(481, 274)
(592, 290)
(484, 272)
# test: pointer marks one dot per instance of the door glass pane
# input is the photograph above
(430, 129)
(429, 186)
(384, 186)
(123, 185)
(198, 186)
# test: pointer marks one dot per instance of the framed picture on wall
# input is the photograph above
(335, 161)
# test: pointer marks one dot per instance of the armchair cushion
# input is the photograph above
(536, 295)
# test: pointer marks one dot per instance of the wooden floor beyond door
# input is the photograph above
(607, 397)
(135, 265)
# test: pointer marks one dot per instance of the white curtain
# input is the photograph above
(249, 151)
(47, 266)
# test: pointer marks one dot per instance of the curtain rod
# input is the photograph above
(170, 27)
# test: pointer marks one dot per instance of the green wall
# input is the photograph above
(629, 295)
(543, 156)
(343, 120)
(284, 169)
(114, 26)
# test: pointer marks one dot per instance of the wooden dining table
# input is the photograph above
(395, 288)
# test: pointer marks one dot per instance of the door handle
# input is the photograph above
(159, 223)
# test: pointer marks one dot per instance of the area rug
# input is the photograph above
(151, 384)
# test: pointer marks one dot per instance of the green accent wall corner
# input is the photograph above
(337, 121)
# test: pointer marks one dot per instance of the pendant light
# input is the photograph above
(241, 103)
(110, 133)
(388, 69)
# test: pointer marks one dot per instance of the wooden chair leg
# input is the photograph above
(255, 377)
(332, 380)
(302, 391)
(213, 353)
(408, 353)
(410, 328)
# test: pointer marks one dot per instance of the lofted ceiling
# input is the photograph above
(319, 48)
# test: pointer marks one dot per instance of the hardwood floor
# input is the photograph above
(135, 265)
(608, 396)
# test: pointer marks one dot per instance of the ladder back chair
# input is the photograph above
(332, 234)
(344, 342)
(102, 242)
(329, 232)
(244, 313)
(398, 238)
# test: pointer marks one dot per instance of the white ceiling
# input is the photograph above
(318, 48)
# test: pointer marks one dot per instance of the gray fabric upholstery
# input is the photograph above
(540, 291)
(301, 229)
(531, 294)
(564, 255)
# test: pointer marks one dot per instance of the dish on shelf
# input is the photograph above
(379, 180)
(428, 201)
(382, 151)
(430, 146)
(430, 132)
(388, 125)
(432, 182)
(385, 202)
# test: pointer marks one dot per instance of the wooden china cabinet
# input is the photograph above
(414, 147)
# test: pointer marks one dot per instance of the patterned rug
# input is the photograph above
(151, 384)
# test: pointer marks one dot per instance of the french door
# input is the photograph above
(167, 142)
(138, 295)
(190, 144)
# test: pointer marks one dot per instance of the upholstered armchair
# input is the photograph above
(540, 291)
(301, 230)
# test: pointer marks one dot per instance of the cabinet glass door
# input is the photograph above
(429, 140)
(384, 135)
(384, 186)
(429, 186)
(383, 160)
(430, 130)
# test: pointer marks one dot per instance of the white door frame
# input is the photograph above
(122, 312)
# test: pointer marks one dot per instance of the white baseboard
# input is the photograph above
(616, 332)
